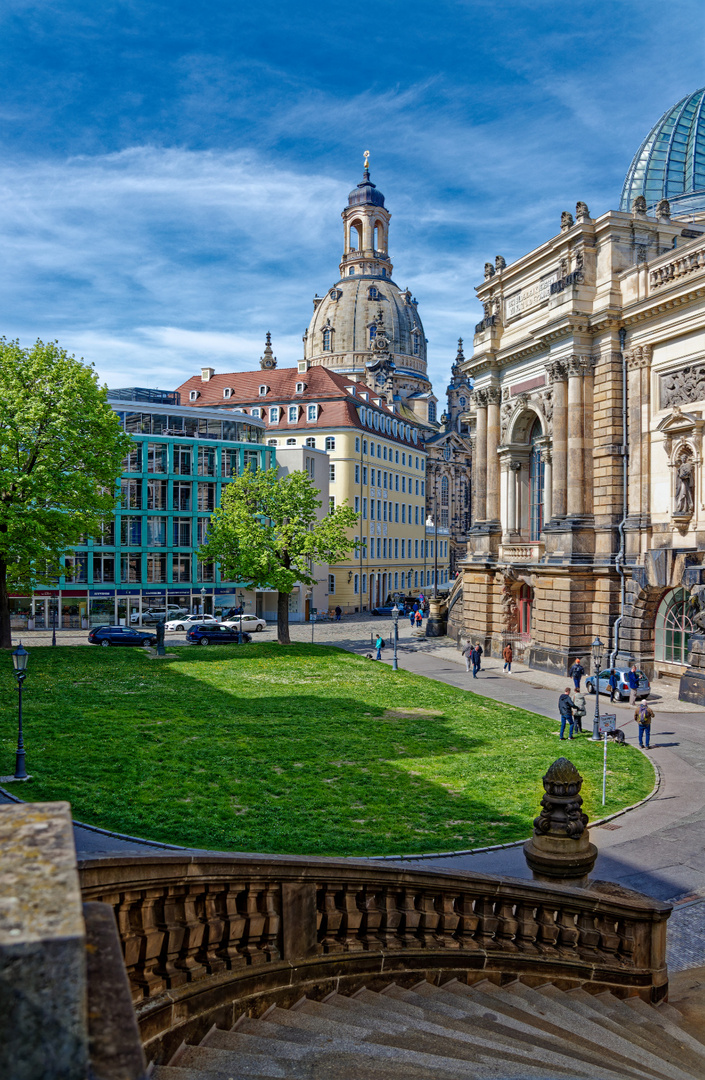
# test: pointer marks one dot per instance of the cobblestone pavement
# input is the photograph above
(685, 946)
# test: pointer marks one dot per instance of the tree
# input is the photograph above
(61, 450)
(267, 532)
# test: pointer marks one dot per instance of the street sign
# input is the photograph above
(607, 724)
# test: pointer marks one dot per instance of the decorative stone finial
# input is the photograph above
(566, 221)
(639, 205)
(268, 360)
(581, 212)
(489, 270)
(560, 850)
(460, 355)
(499, 263)
(663, 209)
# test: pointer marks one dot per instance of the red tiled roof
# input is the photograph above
(322, 386)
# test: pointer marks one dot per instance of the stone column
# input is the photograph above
(575, 499)
(511, 498)
(588, 365)
(493, 431)
(547, 485)
(479, 461)
(557, 374)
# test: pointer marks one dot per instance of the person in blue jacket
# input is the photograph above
(632, 683)
(566, 708)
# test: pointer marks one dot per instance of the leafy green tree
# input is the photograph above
(61, 450)
(267, 532)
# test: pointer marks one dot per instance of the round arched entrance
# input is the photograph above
(673, 627)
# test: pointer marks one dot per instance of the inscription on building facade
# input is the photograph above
(530, 297)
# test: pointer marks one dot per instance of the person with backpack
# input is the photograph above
(613, 683)
(576, 673)
(579, 700)
(419, 619)
(412, 617)
(379, 645)
(643, 716)
(507, 656)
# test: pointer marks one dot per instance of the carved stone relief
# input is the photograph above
(682, 387)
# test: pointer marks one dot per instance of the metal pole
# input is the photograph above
(20, 770)
(313, 623)
(596, 717)
(396, 636)
(53, 625)
(604, 769)
(435, 549)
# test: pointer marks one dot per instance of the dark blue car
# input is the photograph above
(216, 634)
(120, 635)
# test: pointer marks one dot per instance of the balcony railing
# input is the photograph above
(677, 267)
(527, 552)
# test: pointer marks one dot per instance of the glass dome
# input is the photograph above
(670, 163)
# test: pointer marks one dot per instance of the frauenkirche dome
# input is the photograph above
(670, 163)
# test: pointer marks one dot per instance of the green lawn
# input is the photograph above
(299, 750)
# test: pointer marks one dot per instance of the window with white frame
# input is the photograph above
(293, 413)
(272, 442)
(357, 445)
(331, 584)
(331, 472)
(330, 443)
(357, 474)
(331, 503)
(364, 583)
(193, 395)
(311, 443)
(356, 584)
(262, 390)
(327, 339)
(274, 414)
(227, 392)
(256, 412)
(300, 387)
(312, 413)
(291, 442)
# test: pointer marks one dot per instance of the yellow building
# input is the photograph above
(376, 461)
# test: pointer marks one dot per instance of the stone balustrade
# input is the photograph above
(522, 552)
(677, 267)
(206, 938)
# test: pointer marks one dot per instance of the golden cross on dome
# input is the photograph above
(366, 156)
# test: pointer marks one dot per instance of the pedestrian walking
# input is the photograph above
(412, 616)
(419, 619)
(576, 673)
(475, 661)
(566, 708)
(643, 716)
(632, 683)
(338, 613)
(508, 656)
(379, 645)
(613, 683)
(579, 700)
(466, 653)
(480, 651)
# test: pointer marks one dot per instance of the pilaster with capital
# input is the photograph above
(587, 364)
(558, 375)
(493, 433)
(479, 460)
(638, 361)
(575, 500)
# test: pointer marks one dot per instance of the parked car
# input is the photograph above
(214, 633)
(385, 609)
(154, 615)
(186, 621)
(253, 623)
(120, 635)
(622, 685)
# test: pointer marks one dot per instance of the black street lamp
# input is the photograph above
(597, 650)
(19, 659)
(395, 622)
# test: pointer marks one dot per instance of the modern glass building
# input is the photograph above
(145, 563)
(670, 163)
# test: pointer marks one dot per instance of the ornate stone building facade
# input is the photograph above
(587, 420)
(369, 330)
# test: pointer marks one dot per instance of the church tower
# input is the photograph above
(366, 327)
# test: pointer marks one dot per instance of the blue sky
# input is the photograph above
(172, 173)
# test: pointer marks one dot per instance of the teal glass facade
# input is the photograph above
(145, 564)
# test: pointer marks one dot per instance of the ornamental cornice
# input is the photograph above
(557, 371)
(494, 395)
(639, 356)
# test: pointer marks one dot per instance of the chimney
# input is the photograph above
(207, 374)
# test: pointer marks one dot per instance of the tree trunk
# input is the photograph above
(283, 618)
(5, 632)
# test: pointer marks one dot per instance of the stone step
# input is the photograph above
(452, 1032)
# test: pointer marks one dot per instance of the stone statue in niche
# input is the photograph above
(685, 483)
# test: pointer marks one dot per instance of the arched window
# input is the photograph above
(351, 271)
(673, 627)
(415, 344)
(536, 483)
(330, 443)
(375, 238)
(327, 338)
(525, 599)
(444, 502)
(462, 402)
(355, 234)
(373, 332)
(432, 412)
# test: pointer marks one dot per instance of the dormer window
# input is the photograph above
(194, 395)
(293, 413)
(274, 414)
(263, 390)
(373, 292)
(256, 412)
(300, 387)
(312, 413)
(227, 392)
(350, 390)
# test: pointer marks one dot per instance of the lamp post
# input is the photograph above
(203, 601)
(53, 622)
(597, 651)
(395, 621)
(19, 659)
(435, 548)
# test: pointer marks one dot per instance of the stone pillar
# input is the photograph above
(511, 498)
(557, 374)
(560, 850)
(588, 365)
(479, 461)
(575, 500)
(547, 485)
(493, 432)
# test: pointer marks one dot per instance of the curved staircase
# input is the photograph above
(455, 1031)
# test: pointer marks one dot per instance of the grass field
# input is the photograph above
(300, 750)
